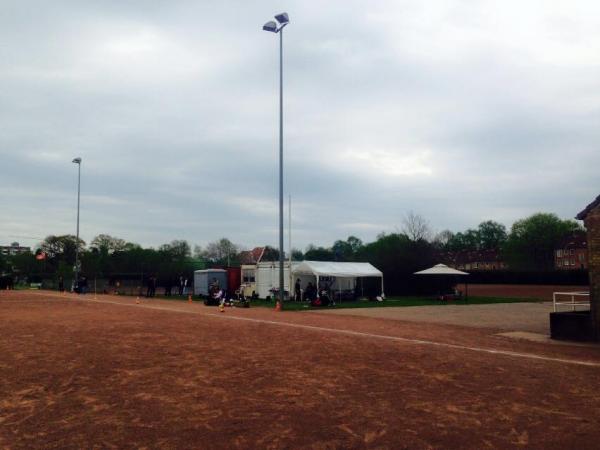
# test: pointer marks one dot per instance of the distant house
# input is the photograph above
(473, 260)
(13, 249)
(252, 256)
(572, 252)
(248, 261)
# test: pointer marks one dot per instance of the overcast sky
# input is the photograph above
(460, 111)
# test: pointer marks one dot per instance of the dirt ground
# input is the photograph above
(109, 373)
(542, 292)
(529, 317)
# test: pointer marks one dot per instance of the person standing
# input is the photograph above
(83, 284)
(180, 285)
(297, 291)
(168, 287)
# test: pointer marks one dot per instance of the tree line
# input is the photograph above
(528, 245)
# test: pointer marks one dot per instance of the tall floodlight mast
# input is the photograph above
(277, 27)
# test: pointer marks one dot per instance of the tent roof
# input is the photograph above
(337, 269)
(440, 269)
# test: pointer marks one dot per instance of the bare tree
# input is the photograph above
(416, 227)
(221, 251)
(442, 238)
(108, 244)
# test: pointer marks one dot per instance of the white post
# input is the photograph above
(318, 292)
(291, 277)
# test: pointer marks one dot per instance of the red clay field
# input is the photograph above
(109, 373)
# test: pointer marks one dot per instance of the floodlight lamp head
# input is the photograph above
(283, 18)
(77, 161)
(270, 26)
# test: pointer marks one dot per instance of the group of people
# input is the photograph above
(180, 284)
(312, 293)
(80, 285)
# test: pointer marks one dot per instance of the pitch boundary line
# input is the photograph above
(361, 334)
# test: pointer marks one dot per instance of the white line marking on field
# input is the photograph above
(354, 333)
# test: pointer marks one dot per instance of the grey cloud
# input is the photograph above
(389, 107)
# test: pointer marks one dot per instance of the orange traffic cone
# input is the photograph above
(278, 306)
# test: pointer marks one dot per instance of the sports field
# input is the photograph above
(79, 372)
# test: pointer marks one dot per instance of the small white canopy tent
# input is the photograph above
(440, 269)
(338, 270)
(443, 269)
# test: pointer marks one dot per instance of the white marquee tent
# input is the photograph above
(339, 270)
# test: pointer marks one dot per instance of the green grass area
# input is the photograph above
(397, 301)
(389, 302)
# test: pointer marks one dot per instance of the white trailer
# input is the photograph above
(267, 277)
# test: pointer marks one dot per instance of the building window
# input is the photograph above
(248, 276)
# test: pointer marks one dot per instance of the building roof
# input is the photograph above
(577, 239)
(583, 214)
(252, 256)
(466, 257)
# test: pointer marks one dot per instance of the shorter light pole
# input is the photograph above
(78, 162)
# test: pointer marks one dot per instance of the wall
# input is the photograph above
(592, 224)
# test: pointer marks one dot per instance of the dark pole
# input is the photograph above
(281, 168)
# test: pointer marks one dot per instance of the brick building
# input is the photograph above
(13, 249)
(572, 252)
(473, 260)
(591, 218)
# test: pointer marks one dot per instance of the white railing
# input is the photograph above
(574, 299)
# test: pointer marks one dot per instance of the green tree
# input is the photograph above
(398, 257)
(62, 247)
(313, 253)
(270, 254)
(3, 264)
(492, 235)
(531, 243)
(107, 244)
(467, 241)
